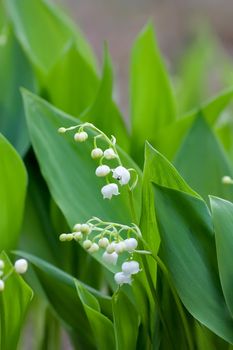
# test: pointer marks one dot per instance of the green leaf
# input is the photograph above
(126, 321)
(13, 181)
(72, 83)
(201, 152)
(44, 31)
(188, 249)
(14, 301)
(103, 112)
(60, 290)
(101, 326)
(15, 71)
(176, 131)
(223, 225)
(74, 187)
(152, 100)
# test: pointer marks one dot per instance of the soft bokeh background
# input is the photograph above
(176, 22)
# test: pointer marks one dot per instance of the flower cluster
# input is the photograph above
(20, 266)
(113, 239)
(119, 173)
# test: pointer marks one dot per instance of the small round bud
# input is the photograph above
(130, 244)
(77, 227)
(80, 136)
(110, 258)
(21, 266)
(94, 248)
(2, 264)
(62, 237)
(130, 267)
(103, 242)
(120, 247)
(96, 153)
(78, 236)
(62, 130)
(2, 285)
(69, 237)
(102, 170)
(85, 228)
(121, 278)
(227, 180)
(87, 244)
(111, 248)
(109, 154)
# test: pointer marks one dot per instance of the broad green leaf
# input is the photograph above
(44, 31)
(15, 71)
(194, 68)
(188, 249)
(101, 326)
(74, 187)
(202, 162)
(103, 112)
(60, 290)
(72, 83)
(152, 100)
(13, 181)
(223, 225)
(176, 131)
(126, 322)
(14, 301)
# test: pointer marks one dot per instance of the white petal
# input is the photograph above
(109, 190)
(109, 154)
(122, 278)
(102, 170)
(131, 244)
(130, 267)
(122, 175)
(21, 266)
(110, 258)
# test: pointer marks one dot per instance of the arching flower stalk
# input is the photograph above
(120, 174)
(20, 267)
(112, 239)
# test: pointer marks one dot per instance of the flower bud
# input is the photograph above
(21, 266)
(78, 236)
(96, 153)
(62, 237)
(103, 242)
(94, 248)
(110, 258)
(85, 228)
(131, 244)
(87, 244)
(109, 154)
(121, 278)
(121, 174)
(80, 136)
(111, 248)
(102, 170)
(227, 180)
(77, 227)
(130, 267)
(2, 285)
(69, 237)
(110, 190)
(120, 247)
(62, 130)
(2, 264)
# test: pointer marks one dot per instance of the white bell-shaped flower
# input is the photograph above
(122, 175)
(227, 180)
(130, 267)
(110, 190)
(130, 244)
(120, 247)
(2, 285)
(109, 154)
(103, 242)
(87, 244)
(110, 258)
(78, 236)
(102, 170)
(93, 248)
(122, 278)
(77, 227)
(80, 136)
(85, 228)
(96, 153)
(111, 248)
(21, 266)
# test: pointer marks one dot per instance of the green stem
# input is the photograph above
(132, 207)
